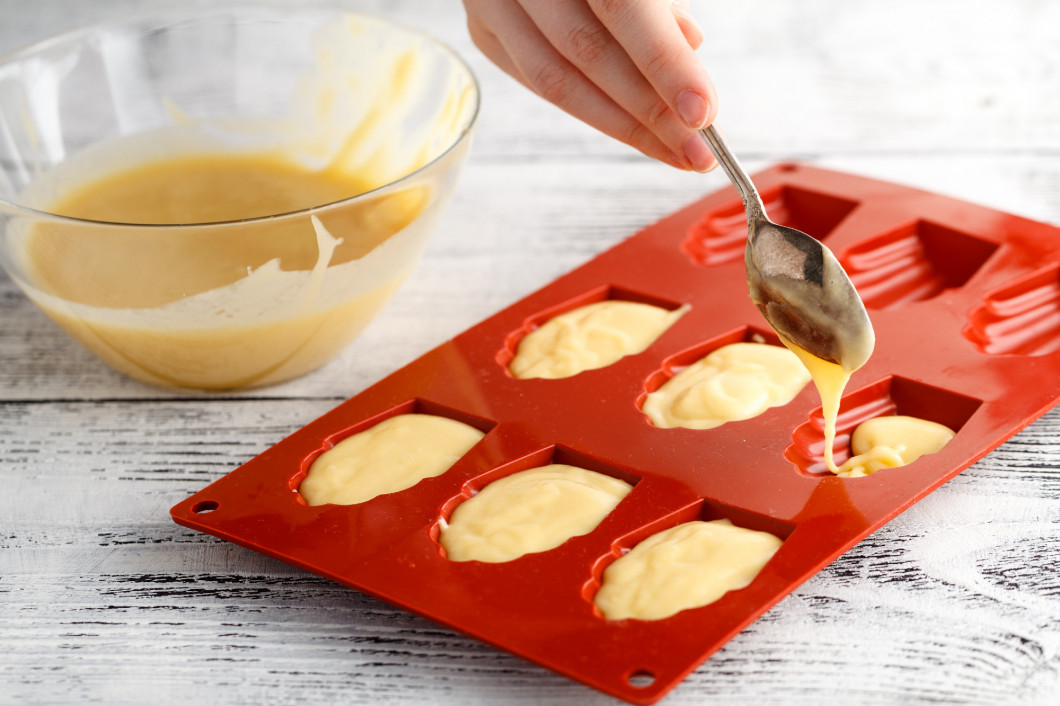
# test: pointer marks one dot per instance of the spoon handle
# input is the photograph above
(752, 202)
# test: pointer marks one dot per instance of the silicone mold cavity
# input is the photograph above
(705, 511)
(1021, 318)
(889, 396)
(677, 362)
(414, 406)
(913, 262)
(719, 236)
(543, 457)
(606, 293)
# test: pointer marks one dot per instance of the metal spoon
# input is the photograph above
(795, 281)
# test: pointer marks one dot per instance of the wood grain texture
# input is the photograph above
(104, 600)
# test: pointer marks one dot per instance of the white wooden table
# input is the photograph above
(104, 599)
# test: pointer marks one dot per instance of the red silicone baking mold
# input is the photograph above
(966, 306)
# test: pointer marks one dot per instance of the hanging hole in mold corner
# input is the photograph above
(720, 235)
(640, 678)
(204, 506)
(913, 262)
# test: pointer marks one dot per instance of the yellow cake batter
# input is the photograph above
(830, 379)
(590, 337)
(889, 442)
(214, 307)
(734, 382)
(530, 511)
(687, 566)
(882, 442)
(249, 303)
(389, 457)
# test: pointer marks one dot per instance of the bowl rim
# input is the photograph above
(198, 9)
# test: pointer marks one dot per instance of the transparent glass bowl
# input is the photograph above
(229, 303)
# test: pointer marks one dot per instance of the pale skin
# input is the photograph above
(626, 67)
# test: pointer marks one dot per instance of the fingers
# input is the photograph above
(655, 43)
(578, 36)
(511, 39)
(662, 52)
(627, 67)
(688, 25)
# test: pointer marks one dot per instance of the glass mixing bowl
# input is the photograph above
(381, 113)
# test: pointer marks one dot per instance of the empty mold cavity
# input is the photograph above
(415, 406)
(510, 348)
(719, 236)
(704, 510)
(552, 517)
(1021, 318)
(913, 262)
(892, 395)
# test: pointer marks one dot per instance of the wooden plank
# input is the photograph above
(107, 597)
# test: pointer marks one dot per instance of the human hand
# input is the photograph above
(626, 67)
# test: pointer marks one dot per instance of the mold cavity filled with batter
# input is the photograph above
(734, 382)
(890, 442)
(391, 456)
(890, 423)
(687, 566)
(589, 337)
(528, 512)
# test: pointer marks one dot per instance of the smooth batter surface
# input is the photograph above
(216, 307)
(590, 337)
(530, 511)
(123, 268)
(206, 189)
(389, 457)
(889, 442)
(688, 566)
(734, 382)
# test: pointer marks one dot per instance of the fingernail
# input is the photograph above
(699, 154)
(693, 109)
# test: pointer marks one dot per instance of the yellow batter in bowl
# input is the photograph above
(229, 219)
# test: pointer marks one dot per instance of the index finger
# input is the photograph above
(649, 33)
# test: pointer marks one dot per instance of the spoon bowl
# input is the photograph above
(796, 281)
